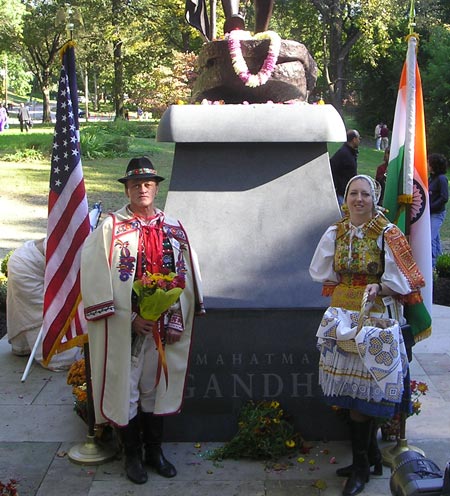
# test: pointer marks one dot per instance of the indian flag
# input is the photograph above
(406, 194)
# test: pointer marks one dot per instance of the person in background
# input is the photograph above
(25, 302)
(3, 118)
(130, 389)
(381, 173)
(377, 136)
(438, 194)
(24, 118)
(364, 254)
(344, 163)
(384, 135)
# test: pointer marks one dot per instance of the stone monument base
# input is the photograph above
(242, 355)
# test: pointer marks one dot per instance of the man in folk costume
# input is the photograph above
(136, 379)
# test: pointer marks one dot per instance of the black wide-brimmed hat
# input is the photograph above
(140, 168)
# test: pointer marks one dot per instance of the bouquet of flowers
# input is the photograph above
(157, 293)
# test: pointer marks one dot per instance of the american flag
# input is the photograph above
(64, 325)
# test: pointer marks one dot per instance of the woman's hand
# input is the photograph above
(373, 290)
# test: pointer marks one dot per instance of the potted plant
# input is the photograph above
(441, 280)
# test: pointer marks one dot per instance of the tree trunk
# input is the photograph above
(118, 89)
(341, 36)
(45, 86)
(96, 108)
(118, 79)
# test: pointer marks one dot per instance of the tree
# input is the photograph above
(11, 14)
(436, 89)
(42, 41)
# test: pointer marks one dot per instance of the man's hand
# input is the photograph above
(172, 336)
(141, 326)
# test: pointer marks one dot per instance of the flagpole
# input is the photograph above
(67, 176)
(32, 355)
(90, 452)
(390, 453)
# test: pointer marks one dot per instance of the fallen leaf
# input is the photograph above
(320, 484)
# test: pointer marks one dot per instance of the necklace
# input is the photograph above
(240, 65)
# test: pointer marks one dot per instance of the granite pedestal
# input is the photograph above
(253, 187)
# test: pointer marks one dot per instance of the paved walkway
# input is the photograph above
(39, 427)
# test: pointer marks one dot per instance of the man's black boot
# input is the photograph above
(152, 427)
(130, 437)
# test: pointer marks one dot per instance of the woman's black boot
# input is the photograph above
(375, 456)
(152, 427)
(361, 432)
(130, 437)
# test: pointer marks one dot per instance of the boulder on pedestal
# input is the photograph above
(293, 78)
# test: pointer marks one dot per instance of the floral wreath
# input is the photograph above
(237, 59)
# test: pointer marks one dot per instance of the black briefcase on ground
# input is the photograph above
(415, 475)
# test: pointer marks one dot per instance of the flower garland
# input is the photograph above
(237, 59)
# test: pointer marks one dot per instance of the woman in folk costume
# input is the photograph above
(364, 254)
(136, 380)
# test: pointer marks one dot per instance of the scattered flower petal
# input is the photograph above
(320, 484)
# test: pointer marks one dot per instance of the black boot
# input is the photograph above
(130, 437)
(375, 456)
(361, 432)
(152, 427)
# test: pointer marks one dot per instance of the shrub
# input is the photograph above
(24, 155)
(443, 265)
(98, 144)
(3, 289)
(4, 263)
(122, 127)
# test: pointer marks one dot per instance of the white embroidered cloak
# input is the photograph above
(106, 293)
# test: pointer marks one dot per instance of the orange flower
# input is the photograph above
(422, 387)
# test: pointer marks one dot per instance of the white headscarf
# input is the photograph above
(375, 189)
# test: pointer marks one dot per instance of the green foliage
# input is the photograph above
(28, 154)
(11, 14)
(264, 433)
(122, 127)
(436, 88)
(96, 144)
(4, 279)
(443, 265)
(19, 79)
(164, 84)
(4, 263)
(17, 146)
